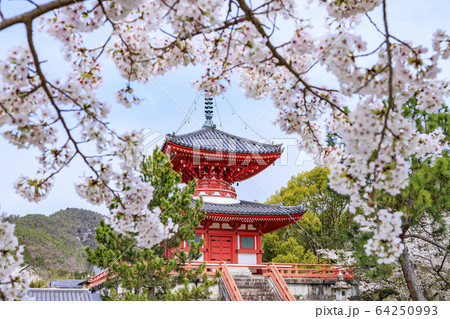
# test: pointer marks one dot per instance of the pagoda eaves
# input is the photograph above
(269, 217)
(218, 159)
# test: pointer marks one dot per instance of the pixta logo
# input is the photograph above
(140, 144)
(148, 139)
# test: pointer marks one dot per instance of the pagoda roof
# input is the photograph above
(253, 208)
(211, 139)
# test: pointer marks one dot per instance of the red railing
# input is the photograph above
(276, 271)
(213, 186)
(292, 270)
(230, 283)
(282, 287)
(98, 279)
(314, 271)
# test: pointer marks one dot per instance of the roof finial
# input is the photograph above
(209, 112)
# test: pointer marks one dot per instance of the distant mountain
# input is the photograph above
(54, 245)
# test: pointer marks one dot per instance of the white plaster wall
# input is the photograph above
(217, 199)
(316, 289)
(247, 258)
(226, 226)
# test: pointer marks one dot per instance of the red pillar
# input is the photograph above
(259, 249)
(235, 258)
(207, 252)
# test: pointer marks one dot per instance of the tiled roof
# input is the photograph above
(53, 294)
(253, 208)
(66, 283)
(211, 139)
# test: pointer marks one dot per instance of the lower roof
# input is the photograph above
(246, 208)
(54, 294)
(66, 283)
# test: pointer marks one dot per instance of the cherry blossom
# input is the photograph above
(13, 284)
(229, 40)
(430, 262)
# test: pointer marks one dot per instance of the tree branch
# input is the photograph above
(42, 9)
(29, 29)
(390, 78)
(428, 241)
(6, 111)
(282, 61)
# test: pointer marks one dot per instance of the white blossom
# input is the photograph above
(13, 284)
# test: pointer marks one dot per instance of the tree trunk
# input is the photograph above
(151, 294)
(409, 274)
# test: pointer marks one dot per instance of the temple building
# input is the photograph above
(232, 228)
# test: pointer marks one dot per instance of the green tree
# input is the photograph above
(39, 283)
(147, 274)
(290, 251)
(324, 225)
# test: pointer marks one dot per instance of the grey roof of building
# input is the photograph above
(66, 283)
(253, 208)
(211, 139)
(54, 294)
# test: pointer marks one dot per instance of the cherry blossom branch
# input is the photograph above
(390, 102)
(34, 89)
(33, 3)
(428, 241)
(114, 26)
(29, 29)
(6, 111)
(375, 25)
(102, 48)
(40, 10)
(281, 60)
(1, 14)
(369, 53)
(169, 6)
(229, 23)
(82, 108)
(60, 168)
(370, 80)
(391, 36)
(438, 271)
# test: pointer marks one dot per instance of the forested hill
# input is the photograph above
(55, 244)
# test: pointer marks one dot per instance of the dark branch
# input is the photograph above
(428, 241)
(31, 15)
(29, 29)
(281, 60)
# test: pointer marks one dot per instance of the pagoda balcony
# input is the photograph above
(214, 188)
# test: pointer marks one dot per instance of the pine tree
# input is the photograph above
(147, 274)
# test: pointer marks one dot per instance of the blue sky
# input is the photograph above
(162, 108)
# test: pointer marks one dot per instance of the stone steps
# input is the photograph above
(252, 288)
(256, 298)
(259, 293)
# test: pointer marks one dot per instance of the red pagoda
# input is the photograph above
(232, 228)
